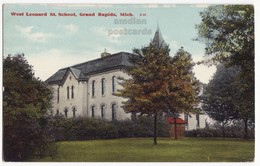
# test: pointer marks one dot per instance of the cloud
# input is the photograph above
(203, 72)
(46, 63)
(174, 46)
(71, 28)
(29, 34)
(111, 35)
(168, 5)
(101, 31)
(200, 5)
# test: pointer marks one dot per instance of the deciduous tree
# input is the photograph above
(228, 32)
(218, 96)
(160, 84)
(25, 102)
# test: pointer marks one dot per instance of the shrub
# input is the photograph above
(125, 128)
(233, 131)
(85, 128)
(26, 134)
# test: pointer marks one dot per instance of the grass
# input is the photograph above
(143, 150)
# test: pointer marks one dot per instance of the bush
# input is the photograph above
(125, 128)
(26, 134)
(82, 128)
(85, 128)
(233, 131)
(203, 133)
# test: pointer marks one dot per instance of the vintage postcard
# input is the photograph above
(128, 82)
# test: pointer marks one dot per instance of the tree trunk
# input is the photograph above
(175, 128)
(155, 129)
(246, 128)
(223, 130)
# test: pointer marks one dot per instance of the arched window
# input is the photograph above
(103, 111)
(93, 87)
(103, 86)
(113, 84)
(72, 92)
(74, 112)
(66, 112)
(93, 111)
(68, 92)
(113, 111)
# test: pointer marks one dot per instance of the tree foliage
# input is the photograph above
(218, 96)
(160, 84)
(25, 102)
(228, 32)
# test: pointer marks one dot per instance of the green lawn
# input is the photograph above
(167, 150)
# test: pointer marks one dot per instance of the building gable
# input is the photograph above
(70, 74)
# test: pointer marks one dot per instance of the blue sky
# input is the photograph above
(50, 43)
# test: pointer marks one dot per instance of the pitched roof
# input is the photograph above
(158, 40)
(171, 120)
(82, 70)
(76, 72)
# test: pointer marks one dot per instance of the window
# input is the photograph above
(113, 111)
(58, 94)
(103, 86)
(68, 92)
(74, 112)
(113, 84)
(93, 87)
(66, 112)
(93, 111)
(72, 92)
(102, 111)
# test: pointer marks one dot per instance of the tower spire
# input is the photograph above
(158, 40)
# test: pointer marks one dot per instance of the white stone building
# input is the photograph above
(87, 89)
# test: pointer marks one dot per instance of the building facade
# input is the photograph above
(87, 89)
